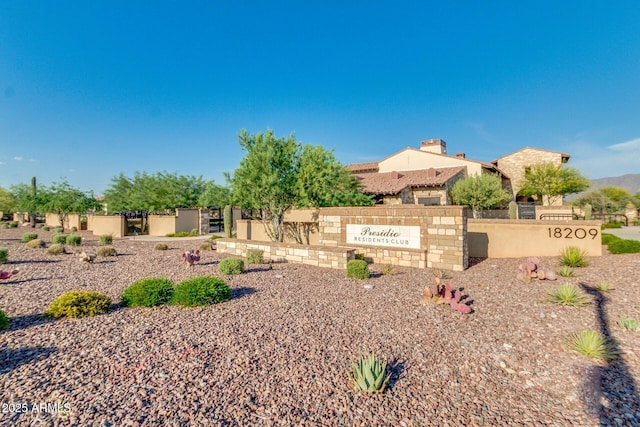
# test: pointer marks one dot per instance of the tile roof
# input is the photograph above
(395, 182)
(363, 167)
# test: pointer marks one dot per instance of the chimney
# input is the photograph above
(436, 145)
(460, 155)
(394, 175)
(431, 173)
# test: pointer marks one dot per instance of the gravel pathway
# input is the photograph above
(278, 353)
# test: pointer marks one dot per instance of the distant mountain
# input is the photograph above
(630, 182)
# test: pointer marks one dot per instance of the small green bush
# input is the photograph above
(59, 238)
(629, 324)
(612, 224)
(74, 240)
(106, 251)
(231, 266)
(183, 234)
(105, 239)
(13, 224)
(4, 255)
(27, 237)
(147, 293)
(56, 249)
(358, 268)
(360, 257)
(255, 256)
(572, 256)
(566, 271)
(4, 321)
(624, 246)
(387, 269)
(74, 229)
(46, 228)
(58, 230)
(4, 225)
(161, 247)
(203, 290)
(215, 236)
(79, 304)
(206, 246)
(36, 243)
(607, 238)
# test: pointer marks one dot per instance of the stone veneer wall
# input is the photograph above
(443, 242)
(319, 256)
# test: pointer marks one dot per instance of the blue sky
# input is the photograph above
(92, 89)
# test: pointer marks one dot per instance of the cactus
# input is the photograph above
(228, 221)
(444, 294)
(513, 210)
(587, 211)
(530, 269)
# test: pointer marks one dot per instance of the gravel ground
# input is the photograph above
(279, 352)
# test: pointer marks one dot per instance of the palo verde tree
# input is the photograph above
(550, 182)
(63, 199)
(7, 201)
(607, 199)
(27, 200)
(278, 174)
(214, 196)
(480, 192)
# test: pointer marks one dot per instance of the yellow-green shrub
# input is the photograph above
(79, 304)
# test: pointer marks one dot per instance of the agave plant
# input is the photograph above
(591, 344)
(629, 324)
(369, 374)
(568, 294)
(565, 271)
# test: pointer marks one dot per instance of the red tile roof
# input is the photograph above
(395, 182)
(363, 167)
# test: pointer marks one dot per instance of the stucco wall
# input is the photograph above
(106, 224)
(494, 238)
(161, 225)
(187, 219)
(412, 159)
(73, 220)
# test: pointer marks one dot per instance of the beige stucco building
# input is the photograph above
(424, 176)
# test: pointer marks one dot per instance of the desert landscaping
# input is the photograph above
(279, 352)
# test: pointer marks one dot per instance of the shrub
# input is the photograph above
(105, 239)
(161, 247)
(624, 246)
(387, 270)
(37, 243)
(27, 237)
(567, 294)
(604, 287)
(369, 374)
(201, 291)
(58, 229)
(215, 236)
(183, 234)
(4, 225)
(79, 304)
(4, 321)
(46, 228)
(573, 257)
(611, 224)
(231, 266)
(629, 324)
(59, 238)
(13, 224)
(206, 246)
(358, 268)
(565, 271)
(74, 240)
(147, 293)
(106, 251)
(360, 257)
(608, 238)
(74, 229)
(56, 249)
(195, 231)
(591, 344)
(4, 255)
(255, 256)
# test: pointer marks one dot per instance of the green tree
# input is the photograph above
(25, 199)
(214, 196)
(278, 174)
(480, 192)
(550, 182)
(7, 201)
(154, 192)
(606, 199)
(63, 199)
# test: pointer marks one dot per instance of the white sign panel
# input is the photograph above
(391, 236)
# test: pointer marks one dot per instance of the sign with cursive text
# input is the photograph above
(392, 236)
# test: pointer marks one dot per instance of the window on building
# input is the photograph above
(429, 201)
